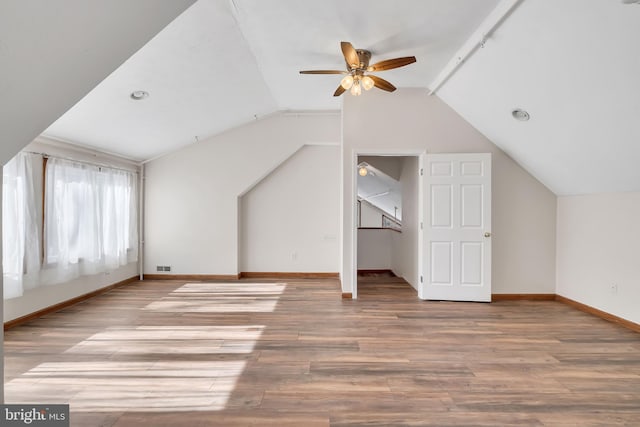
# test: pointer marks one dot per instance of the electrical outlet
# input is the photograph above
(614, 288)
(159, 268)
(294, 256)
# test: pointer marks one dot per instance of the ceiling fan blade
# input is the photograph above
(350, 55)
(339, 91)
(382, 84)
(390, 64)
(323, 72)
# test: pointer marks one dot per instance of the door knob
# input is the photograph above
(487, 234)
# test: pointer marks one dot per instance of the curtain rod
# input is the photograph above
(86, 162)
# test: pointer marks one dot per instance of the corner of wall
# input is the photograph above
(194, 196)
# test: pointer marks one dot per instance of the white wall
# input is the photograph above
(290, 220)
(191, 212)
(598, 248)
(370, 216)
(404, 259)
(374, 248)
(523, 210)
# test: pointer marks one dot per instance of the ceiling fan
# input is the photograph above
(358, 67)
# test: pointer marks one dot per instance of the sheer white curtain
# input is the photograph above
(90, 219)
(20, 229)
(118, 193)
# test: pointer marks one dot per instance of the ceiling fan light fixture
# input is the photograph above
(356, 89)
(367, 83)
(347, 82)
(355, 77)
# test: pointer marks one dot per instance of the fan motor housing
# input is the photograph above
(364, 56)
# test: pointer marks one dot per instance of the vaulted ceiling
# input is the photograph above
(53, 53)
(224, 62)
(572, 64)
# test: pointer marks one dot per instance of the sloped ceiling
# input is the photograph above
(574, 65)
(53, 53)
(380, 190)
(201, 78)
(225, 62)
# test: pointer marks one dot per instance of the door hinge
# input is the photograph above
(421, 280)
(420, 225)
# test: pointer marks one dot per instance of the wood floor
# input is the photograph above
(295, 354)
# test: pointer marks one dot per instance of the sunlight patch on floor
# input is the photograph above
(116, 386)
(171, 340)
(143, 368)
(220, 298)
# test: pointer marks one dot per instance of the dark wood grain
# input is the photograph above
(287, 275)
(294, 353)
(195, 277)
(525, 297)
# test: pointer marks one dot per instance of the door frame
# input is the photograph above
(353, 223)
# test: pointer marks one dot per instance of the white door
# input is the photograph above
(457, 227)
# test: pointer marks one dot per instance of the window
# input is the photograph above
(90, 219)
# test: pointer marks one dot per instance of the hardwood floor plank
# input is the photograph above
(294, 353)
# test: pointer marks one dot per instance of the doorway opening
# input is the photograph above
(388, 207)
(452, 238)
